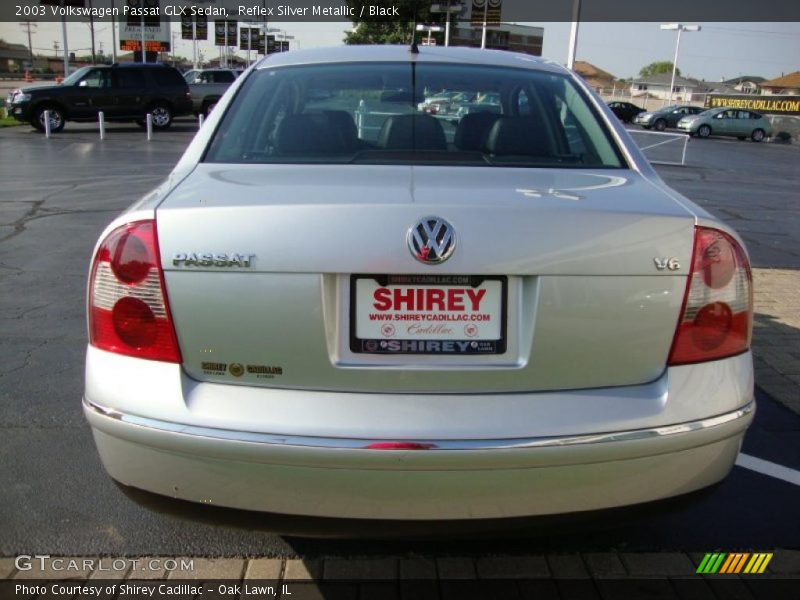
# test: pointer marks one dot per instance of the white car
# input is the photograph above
(329, 312)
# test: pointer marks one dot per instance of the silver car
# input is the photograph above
(732, 122)
(346, 307)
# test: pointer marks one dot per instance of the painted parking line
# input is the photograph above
(768, 468)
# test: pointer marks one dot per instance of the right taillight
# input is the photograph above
(717, 316)
(128, 307)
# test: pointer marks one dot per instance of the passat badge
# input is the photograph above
(210, 259)
(431, 240)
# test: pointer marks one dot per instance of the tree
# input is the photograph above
(379, 32)
(657, 68)
(387, 28)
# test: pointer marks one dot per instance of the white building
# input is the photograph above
(657, 86)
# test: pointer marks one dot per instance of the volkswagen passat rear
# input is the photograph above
(340, 305)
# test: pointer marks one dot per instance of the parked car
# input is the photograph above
(665, 117)
(733, 122)
(625, 111)
(316, 317)
(444, 103)
(488, 103)
(207, 87)
(122, 91)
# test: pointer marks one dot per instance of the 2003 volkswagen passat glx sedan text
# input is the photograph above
(340, 305)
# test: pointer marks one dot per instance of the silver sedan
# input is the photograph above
(339, 305)
(730, 122)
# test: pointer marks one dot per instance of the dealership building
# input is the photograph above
(517, 38)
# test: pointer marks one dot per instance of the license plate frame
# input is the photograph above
(463, 346)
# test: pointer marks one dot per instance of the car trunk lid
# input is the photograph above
(586, 303)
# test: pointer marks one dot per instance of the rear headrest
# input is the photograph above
(521, 136)
(306, 134)
(473, 129)
(412, 132)
(343, 125)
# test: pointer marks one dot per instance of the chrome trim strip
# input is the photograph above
(424, 445)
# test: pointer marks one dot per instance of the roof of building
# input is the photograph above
(665, 79)
(718, 88)
(742, 78)
(588, 70)
(13, 51)
(792, 80)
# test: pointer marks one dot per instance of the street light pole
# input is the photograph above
(447, 25)
(573, 34)
(449, 9)
(680, 28)
(483, 30)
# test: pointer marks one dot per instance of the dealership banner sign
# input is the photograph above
(157, 32)
(770, 105)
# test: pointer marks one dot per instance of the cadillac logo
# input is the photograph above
(431, 240)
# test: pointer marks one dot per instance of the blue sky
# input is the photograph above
(720, 50)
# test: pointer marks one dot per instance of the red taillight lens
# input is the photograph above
(717, 316)
(128, 307)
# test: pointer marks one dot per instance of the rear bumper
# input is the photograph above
(445, 478)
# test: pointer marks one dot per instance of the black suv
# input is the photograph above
(123, 92)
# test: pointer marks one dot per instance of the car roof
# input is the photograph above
(138, 65)
(398, 53)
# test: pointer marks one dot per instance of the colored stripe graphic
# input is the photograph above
(728, 562)
(759, 562)
(734, 563)
(711, 563)
(738, 563)
(704, 563)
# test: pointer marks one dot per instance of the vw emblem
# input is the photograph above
(432, 240)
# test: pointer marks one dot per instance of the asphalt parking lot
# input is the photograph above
(57, 197)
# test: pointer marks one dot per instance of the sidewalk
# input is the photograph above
(776, 334)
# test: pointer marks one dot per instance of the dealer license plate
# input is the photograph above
(428, 314)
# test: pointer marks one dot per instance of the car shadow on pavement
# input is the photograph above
(312, 535)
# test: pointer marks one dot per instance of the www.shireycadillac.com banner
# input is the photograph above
(770, 105)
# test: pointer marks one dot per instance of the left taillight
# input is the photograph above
(128, 307)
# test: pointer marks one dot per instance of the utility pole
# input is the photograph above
(194, 42)
(28, 25)
(91, 29)
(144, 52)
(113, 35)
(66, 48)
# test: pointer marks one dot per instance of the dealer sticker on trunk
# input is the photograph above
(427, 314)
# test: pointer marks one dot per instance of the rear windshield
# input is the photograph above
(405, 113)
